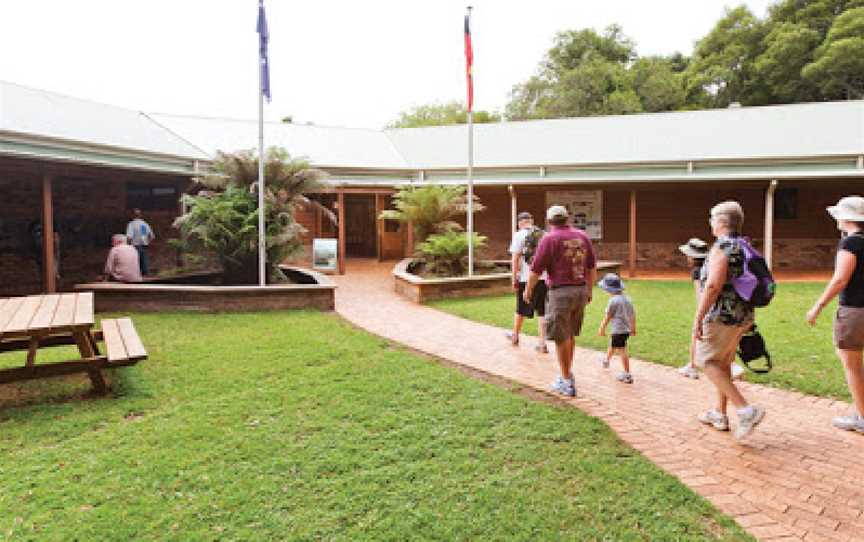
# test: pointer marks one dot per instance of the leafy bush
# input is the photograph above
(430, 209)
(447, 253)
(223, 222)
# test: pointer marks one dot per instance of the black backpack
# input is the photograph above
(752, 347)
(532, 241)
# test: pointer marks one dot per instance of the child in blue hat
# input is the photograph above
(622, 317)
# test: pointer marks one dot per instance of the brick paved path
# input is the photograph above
(797, 478)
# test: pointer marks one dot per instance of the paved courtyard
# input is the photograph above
(796, 479)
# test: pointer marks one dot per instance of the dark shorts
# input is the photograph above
(565, 312)
(538, 301)
(849, 328)
(619, 340)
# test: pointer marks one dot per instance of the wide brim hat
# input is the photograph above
(850, 208)
(611, 283)
(695, 248)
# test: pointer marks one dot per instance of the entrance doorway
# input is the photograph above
(360, 226)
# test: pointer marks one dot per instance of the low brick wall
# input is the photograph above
(422, 290)
(116, 297)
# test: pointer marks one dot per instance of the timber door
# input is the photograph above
(390, 233)
(360, 226)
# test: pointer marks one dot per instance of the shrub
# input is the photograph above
(430, 209)
(447, 253)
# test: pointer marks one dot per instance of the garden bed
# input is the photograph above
(201, 292)
(421, 289)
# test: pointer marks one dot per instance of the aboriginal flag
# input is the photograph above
(469, 63)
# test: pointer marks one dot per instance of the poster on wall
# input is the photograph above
(324, 254)
(585, 208)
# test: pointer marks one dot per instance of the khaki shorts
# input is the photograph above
(849, 328)
(565, 311)
(719, 343)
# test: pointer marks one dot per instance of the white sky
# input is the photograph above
(333, 62)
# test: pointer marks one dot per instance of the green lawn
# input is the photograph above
(296, 426)
(803, 357)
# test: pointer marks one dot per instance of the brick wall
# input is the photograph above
(86, 213)
(668, 215)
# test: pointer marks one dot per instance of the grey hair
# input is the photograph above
(118, 237)
(729, 214)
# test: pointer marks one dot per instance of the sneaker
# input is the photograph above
(853, 422)
(604, 361)
(541, 348)
(688, 371)
(748, 422)
(512, 337)
(715, 419)
(625, 378)
(564, 387)
(737, 371)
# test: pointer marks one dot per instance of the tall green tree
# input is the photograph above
(838, 66)
(721, 71)
(584, 73)
(440, 115)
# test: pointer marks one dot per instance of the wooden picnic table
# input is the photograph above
(37, 321)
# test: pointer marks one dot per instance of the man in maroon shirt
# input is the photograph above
(567, 256)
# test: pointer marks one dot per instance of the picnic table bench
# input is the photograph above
(40, 321)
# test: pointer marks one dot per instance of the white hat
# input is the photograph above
(849, 208)
(556, 211)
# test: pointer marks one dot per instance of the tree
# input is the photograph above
(223, 222)
(721, 69)
(788, 47)
(658, 83)
(586, 73)
(440, 115)
(838, 66)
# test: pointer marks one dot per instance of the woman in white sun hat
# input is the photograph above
(848, 281)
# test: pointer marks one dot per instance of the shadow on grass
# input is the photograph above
(60, 390)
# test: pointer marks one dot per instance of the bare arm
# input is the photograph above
(843, 269)
(603, 325)
(533, 279)
(591, 278)
(515, 266)
(717, 272)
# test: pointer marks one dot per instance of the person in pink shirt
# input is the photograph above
(122, 263)
(567, 256)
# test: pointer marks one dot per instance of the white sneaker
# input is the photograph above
(689, 371)
(853, 422)
(564, 387)
(715, 419)
(748, 422)
(625, 378)
(737, 371)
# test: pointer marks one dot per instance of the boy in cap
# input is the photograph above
(522, 248)
(567, 256)
(621, 314)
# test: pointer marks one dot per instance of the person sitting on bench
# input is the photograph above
(122, 263)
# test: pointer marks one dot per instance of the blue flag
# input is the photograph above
(263, 37)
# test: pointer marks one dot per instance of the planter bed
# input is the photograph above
(421, 289)
(310, 290)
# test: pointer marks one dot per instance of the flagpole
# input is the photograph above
(470, 219)
(262, 243)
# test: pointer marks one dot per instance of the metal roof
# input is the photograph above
(43, 124)
(743, 133)
(45, 115)
(322, 145)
